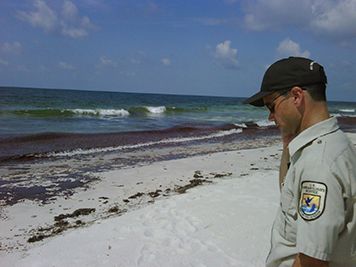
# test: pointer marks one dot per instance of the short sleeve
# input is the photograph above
(321, 212)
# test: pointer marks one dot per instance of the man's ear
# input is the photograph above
(297, 94)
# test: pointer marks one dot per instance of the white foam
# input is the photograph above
(265, 123)
(156, 110)
(165, 141)
(100, 112)
(346, 110)
(242, 125)
(82, 111)
(114, 112)
(343, 115)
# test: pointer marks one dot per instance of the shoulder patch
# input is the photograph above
(312, 200)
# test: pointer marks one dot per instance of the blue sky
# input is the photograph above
(199, 47)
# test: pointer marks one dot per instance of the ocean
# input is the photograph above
(48, 114)
(32, 111)
(80, 132)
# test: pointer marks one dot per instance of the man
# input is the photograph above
(316, 221)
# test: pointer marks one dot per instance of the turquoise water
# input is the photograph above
(24, 111)
(29, 110)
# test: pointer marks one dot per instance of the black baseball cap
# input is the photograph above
(286, 73)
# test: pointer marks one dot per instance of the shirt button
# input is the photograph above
(319, 142)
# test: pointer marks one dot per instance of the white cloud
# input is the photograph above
(67, 21)
(166, 61)
(339, 19)
(11, 48)
(72, 24)
(69, 11)
(322, 17)
(43, 17)
(271, 14)
(66, 66)
(290, 48)
(226, 55)
(105, 62)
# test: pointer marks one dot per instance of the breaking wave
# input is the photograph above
(100, 112)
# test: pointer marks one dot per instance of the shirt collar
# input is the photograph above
(312, 133)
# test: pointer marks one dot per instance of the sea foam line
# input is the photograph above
(265, 123)
(337, 115)
(346, 110)
(166, 141)
(115, 112)
(156, 110)
(102, 112)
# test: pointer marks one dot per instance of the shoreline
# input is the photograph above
(46, 179)
(119, 195)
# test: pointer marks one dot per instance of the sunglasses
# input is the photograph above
(272, 106)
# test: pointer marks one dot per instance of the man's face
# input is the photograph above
(283, 112)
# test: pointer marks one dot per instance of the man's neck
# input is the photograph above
(314, 113)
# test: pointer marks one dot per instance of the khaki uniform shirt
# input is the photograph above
(317, 215)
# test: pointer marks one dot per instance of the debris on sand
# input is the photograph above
(60, 225)
(197, 174)
(198, 180)
(76, 213)
(139, 194)
(192, 183)
(155, 193)
(114, 209)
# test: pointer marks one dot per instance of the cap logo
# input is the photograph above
(311, 66)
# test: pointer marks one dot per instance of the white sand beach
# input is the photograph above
(225, 221)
